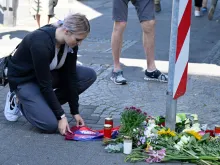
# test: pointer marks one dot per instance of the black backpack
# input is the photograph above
(4, 69)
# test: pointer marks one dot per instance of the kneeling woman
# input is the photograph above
(43, 75)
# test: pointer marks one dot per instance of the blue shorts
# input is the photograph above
(144, 8)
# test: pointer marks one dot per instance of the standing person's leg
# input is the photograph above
(145, 11)
(35, 10)
(34, 107)
(120, 12)
(204, 5)
(38, 20)
(212, 9)
(51, 5)
(157, 5)
(198, 5)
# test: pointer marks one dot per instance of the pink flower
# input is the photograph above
(145, 113)
(156, 156)
(138, 111)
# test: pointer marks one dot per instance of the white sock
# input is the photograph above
(151, 71)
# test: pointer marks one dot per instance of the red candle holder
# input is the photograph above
(109, 120)
(217, 130)
(107, 131)
(211, 132)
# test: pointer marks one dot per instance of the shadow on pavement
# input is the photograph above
(15, 34)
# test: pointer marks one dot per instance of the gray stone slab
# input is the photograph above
(4, 157)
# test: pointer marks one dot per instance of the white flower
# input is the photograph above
(196, 127)
(185, 139)
(177, 147)
(195, 117)
(180, 143)
(134, 130)
(151, 121)
(144, 122)
(151, 126)
(178, 119)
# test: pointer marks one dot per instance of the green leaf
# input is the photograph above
(182, 116)
(205, 137)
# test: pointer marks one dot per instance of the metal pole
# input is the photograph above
(171, 104)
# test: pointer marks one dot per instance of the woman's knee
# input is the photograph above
(92, 76)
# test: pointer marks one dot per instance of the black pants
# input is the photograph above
(34, 107)
(198, 3)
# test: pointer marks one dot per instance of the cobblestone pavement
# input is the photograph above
(23, 144)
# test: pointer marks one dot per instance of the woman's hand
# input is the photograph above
(63, 126)
(79, 120)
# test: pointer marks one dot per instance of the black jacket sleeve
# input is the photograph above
(70, 81)
(41, 52)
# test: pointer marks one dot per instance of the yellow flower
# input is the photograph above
(168, 132)
(195, 134)
(148, 147)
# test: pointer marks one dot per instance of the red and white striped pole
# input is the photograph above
(178, 57)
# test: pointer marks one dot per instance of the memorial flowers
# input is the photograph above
(153, 142)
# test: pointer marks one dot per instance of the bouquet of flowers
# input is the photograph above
(153, 142)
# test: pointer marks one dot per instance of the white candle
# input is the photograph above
(127, 146)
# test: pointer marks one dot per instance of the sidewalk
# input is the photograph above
(21, 144)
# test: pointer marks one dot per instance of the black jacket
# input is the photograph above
(31, 62)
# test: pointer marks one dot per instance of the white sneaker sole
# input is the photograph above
(153, 79)
(117, 82)
(9, 116)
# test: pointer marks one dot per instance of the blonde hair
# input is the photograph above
(75, 23)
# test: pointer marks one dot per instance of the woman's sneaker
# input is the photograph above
(12, 111)
(156, 76)
(197, 13)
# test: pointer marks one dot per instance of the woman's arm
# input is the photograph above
(41, 50)
(70, 81)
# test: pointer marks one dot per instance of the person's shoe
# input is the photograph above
(157, 7)
(118, 78)
(155, 76)
(211, 12)
(204, 9)
(197, 13)
(11, 111)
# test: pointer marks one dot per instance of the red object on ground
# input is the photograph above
(109, 121)
(211, 132)
(87, 134)
(107, 131)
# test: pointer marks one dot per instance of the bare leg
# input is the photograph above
(116, 43)
(204, 3)
(48, 20)
(197, 8)
(38, 20)
(148, 43)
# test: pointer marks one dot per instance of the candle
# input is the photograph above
(109, 120)
(127, 145)
(217, 130)
(107, 131)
